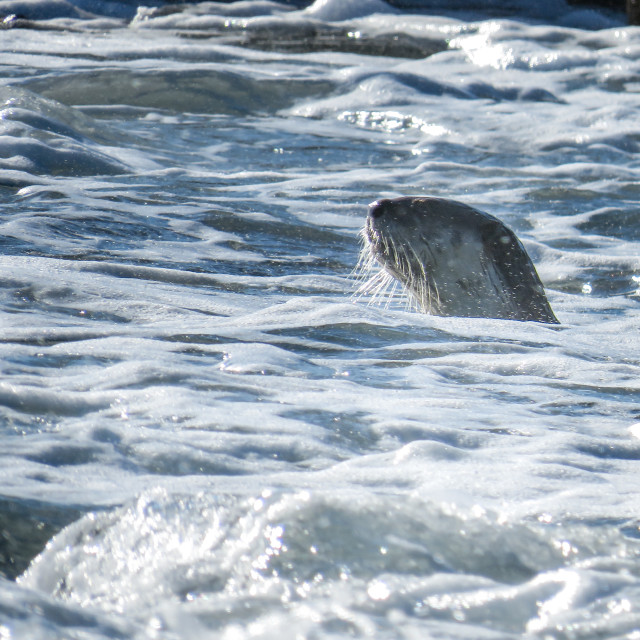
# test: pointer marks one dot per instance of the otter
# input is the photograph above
(452, 259)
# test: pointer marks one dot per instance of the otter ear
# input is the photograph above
(518, 273)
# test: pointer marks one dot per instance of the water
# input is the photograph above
(204, 435)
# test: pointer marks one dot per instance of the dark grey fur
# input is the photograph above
(454, 260)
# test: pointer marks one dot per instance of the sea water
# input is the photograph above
(204, 434)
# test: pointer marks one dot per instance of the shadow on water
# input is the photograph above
(25, 528)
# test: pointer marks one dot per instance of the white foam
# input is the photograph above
(336, 11)
(168, 559)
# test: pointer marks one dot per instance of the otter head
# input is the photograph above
(453, 260)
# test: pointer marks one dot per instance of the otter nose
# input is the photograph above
(379, 208)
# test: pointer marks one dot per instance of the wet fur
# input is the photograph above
(452, 259)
